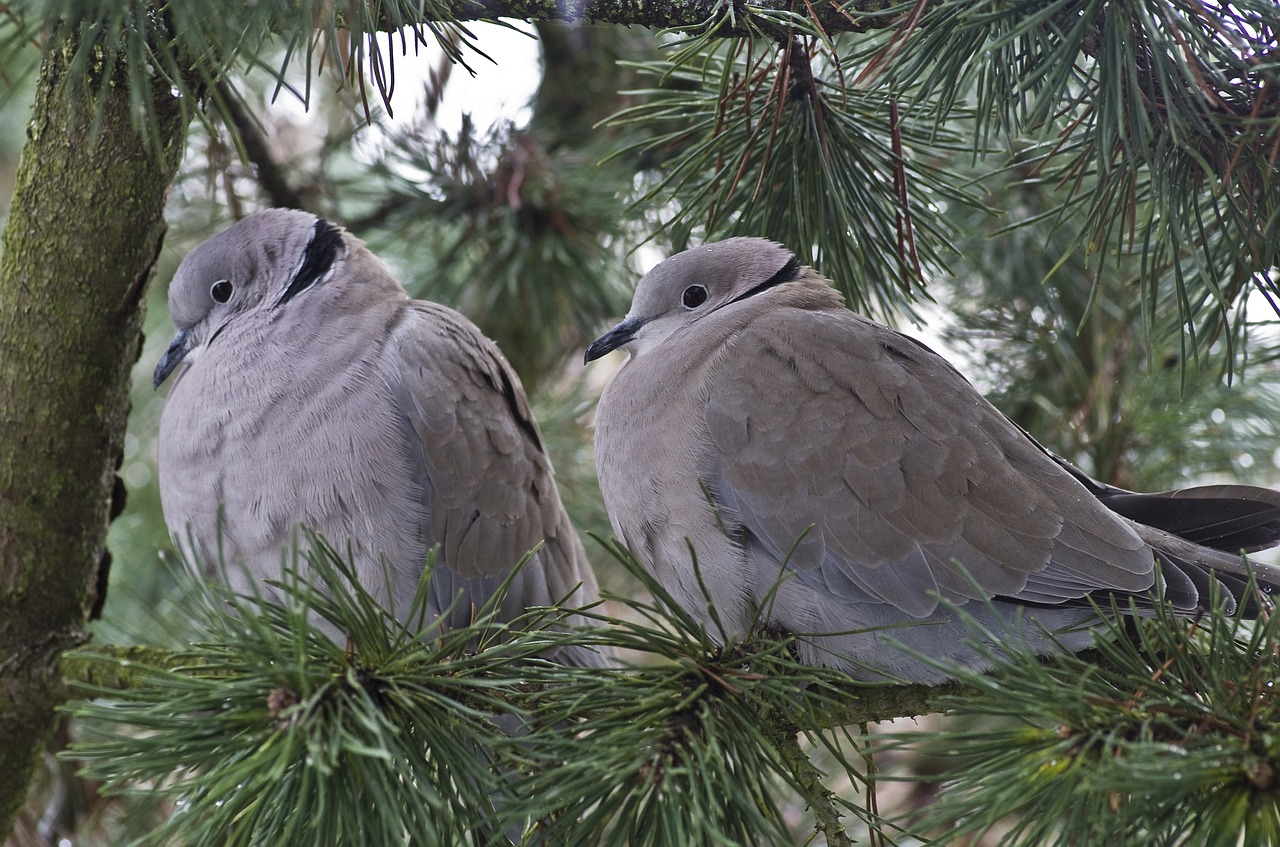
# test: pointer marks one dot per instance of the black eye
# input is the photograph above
(694, 296)
(221, 290)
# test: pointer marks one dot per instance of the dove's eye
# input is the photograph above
(221, 290)
(694, 296)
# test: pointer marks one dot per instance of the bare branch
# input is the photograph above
(268, 172)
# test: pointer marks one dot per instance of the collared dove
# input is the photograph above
(766, 429)
(314, 392)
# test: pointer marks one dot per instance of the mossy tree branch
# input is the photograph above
(84, 229)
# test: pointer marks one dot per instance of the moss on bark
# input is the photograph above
(85, 225)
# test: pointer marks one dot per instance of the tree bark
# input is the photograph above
(84, 229)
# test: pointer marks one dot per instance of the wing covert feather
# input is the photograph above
(827, 419)
(486, 478)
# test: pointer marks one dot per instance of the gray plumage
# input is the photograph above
(775, 431)
(313, 391)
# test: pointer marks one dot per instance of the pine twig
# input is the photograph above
(809, 780)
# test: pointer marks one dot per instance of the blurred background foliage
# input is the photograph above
(532, 196)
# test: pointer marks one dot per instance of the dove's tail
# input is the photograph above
(1201, 536)
(1231, 518)
(1205, 533)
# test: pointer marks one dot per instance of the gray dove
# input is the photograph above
(310, 390)
(790, 444)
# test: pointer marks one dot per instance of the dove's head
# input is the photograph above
(690, 285)
(261, 263)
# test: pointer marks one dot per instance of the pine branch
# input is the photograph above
(818, 796)
(696, 15)
(245, 128)
(271, 733)
(1168, 110)
(266, 731)
(1171, 739)
(113, 667)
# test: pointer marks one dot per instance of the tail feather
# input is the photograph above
(1231, 518)
(1186, 585)
(1203, 565)
(1200, 536)
(1250, 602)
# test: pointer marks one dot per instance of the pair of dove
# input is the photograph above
(830, 477)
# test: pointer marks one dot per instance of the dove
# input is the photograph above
(309, 390)
(766, 453)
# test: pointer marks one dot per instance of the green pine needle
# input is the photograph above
(274, 733)
(759, 141)
(1168, 734)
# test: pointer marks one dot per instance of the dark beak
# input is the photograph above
(172, 358)
(613, 339)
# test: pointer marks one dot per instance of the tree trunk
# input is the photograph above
(85, 226)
